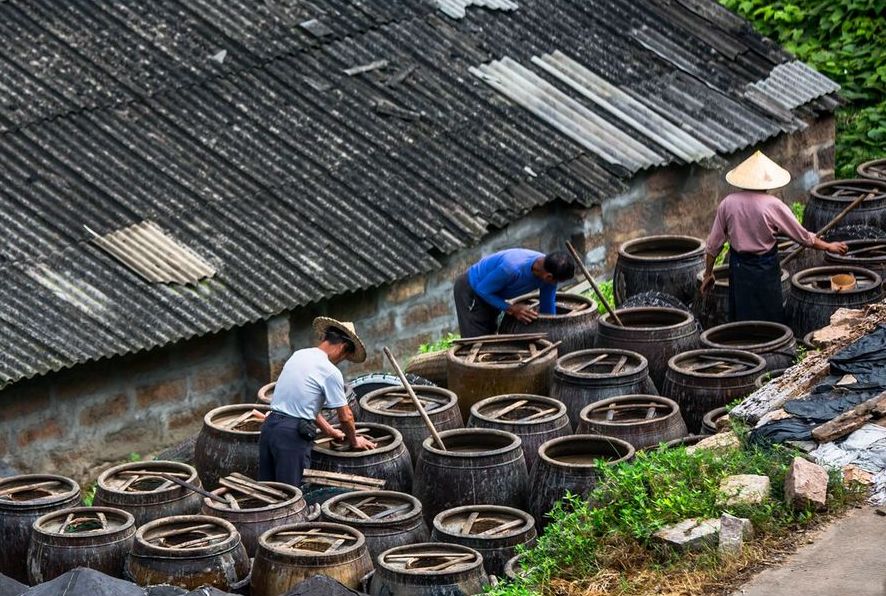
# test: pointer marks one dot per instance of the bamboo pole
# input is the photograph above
(415, 400)
(796, 252)
(591, 281)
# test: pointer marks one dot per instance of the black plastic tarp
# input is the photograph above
(321, 585)
(864, 359)
(85, 582)
(10, 587)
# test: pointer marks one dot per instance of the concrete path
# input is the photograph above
(848, 557)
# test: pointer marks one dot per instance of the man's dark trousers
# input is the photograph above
(475, 316)
(283, 452)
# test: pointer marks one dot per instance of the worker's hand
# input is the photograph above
(362, 444)
(522, 313)
(707, 282)
(838, 247)
(337, 435)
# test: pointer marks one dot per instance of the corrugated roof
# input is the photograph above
(297, 181)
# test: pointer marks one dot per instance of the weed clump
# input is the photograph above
(605, 544)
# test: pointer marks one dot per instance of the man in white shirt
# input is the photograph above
(309, 381)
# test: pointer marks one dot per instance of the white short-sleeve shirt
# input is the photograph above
(308, 382)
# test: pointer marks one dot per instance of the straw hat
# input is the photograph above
(321, 324)
(758, 172)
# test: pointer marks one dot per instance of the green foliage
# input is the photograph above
(802, 352)
(133, 457)
(798, 209)
(607, 289)
(634, 500)
(89, 495)
(444, 343)
(721, 258)
(845, 40)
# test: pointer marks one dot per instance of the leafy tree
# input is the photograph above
(845, 40)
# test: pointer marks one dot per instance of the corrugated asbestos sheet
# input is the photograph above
(457, 9)
(296, 181)
(788, 86)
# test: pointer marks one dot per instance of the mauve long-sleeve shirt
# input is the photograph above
(750, 222)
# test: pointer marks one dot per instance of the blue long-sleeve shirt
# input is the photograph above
(508, 273)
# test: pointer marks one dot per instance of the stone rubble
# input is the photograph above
(727, 440)
(806, 484)
(690, 534)
(744, 489)
(733, 532)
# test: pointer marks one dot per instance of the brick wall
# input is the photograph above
(72, 421)
(69, 422)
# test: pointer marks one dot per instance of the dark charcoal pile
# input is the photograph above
(659, 299)
(856, 232)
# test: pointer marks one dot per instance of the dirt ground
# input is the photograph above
(845, 557)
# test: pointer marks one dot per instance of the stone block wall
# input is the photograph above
(72, 421)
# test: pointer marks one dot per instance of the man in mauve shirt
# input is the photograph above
(749, 220)
(482, 293)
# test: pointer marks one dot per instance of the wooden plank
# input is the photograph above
(502, 528)
(541, 353)
(183, 530)
(248, 491)
(27, 487)
(619, 365)
(852, 420)
(469, 523)
(590, 363)
(322, 474)
(539, 414)
(392, 511)
(355, 510)
(247, 481)
(509, 408)
(500, 338)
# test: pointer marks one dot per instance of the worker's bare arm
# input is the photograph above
(327, 429)
(837, 247)
(707, 281)
(346, 421)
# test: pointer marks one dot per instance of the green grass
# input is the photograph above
(613, 541)
(88, 495)
(798, 209)
(444, 343)
(607, 289)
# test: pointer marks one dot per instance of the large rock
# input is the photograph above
(690, 534)
(727, 440)
(744, 489)
(806, 485)
(733, 532)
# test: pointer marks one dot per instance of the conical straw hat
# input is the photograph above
(758, 172)
(321, 324)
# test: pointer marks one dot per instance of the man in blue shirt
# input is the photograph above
(482, 293)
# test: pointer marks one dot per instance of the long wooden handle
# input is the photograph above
(196, 489)
(827, 227)
(415, 400)
(591, 281)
